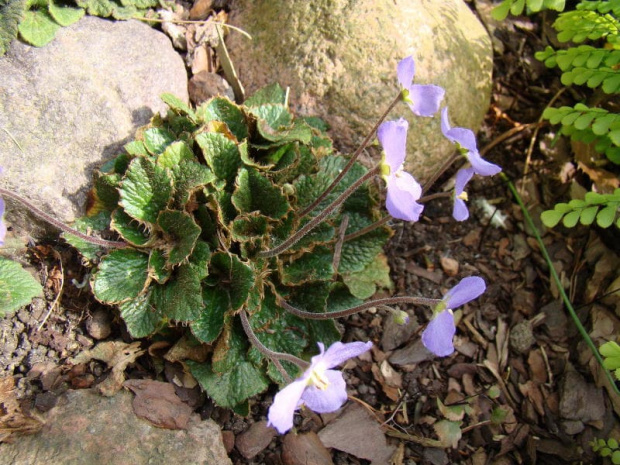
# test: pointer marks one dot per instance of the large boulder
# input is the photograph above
(339, 59)
(86, 428)
(69, 106)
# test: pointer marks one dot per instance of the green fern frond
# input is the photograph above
(600, 207)
(516, 7)
(606, 6)
(580, 25)
(584, 56)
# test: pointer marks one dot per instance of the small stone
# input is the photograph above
(200, 10)
(99, 324)
(304, 449)
(255, 439)
(449, 265)
(228, 437)
(204, 85)
(522, 337)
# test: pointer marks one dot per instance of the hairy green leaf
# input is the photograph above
(146, 190)
(17, 286)
(122, 275)
(38, 28)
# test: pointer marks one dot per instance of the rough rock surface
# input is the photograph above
(339, 59)
(67, 107)
(87, 428)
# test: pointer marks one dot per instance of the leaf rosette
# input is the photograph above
(196, 197)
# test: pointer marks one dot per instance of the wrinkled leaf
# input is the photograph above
(17, 286)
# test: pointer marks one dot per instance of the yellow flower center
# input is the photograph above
(463, 196)
(318, 378)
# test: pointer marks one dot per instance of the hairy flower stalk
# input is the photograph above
(275, 357)
(60, 225)
(318, 219)
(351, 161)
(387, 301)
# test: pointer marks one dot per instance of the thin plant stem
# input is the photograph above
(190, 21)
(352, 160)
(359, 308)
(386, 219)
(436, 195)
(60, 225)
(275, 357)
(433, 179)
(582, 331)
(367, 229)
(320, 217)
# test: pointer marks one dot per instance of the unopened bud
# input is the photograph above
(401, 318)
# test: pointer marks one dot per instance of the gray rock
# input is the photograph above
(580, 401)
(69, 106)
(339, 59)
(87, 428)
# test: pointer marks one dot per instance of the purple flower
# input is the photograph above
(460, 211)
(466, 141)
(403, 190)
(437, 337)
(2, 224)
(319, 388)
(423, 100)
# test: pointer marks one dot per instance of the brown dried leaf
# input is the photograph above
(12, 419)
(357, 432)
(117, 355)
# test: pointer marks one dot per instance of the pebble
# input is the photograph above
(449, 265)
(255, 439)
(99, 324)
(228, 438)
(521, 337)
(204, 85)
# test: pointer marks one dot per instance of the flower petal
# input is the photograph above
(339, 352)
(481, 166)
(462, 136)
(403, 191)
(393, 138)
(329, 399)
(437, 337)
(459, 210)
(425, 99)
(405, 71)
(468, 289)
(285, 403)
(463, 176)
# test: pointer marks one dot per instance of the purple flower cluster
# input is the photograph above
(320, 388)
(403, 191)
